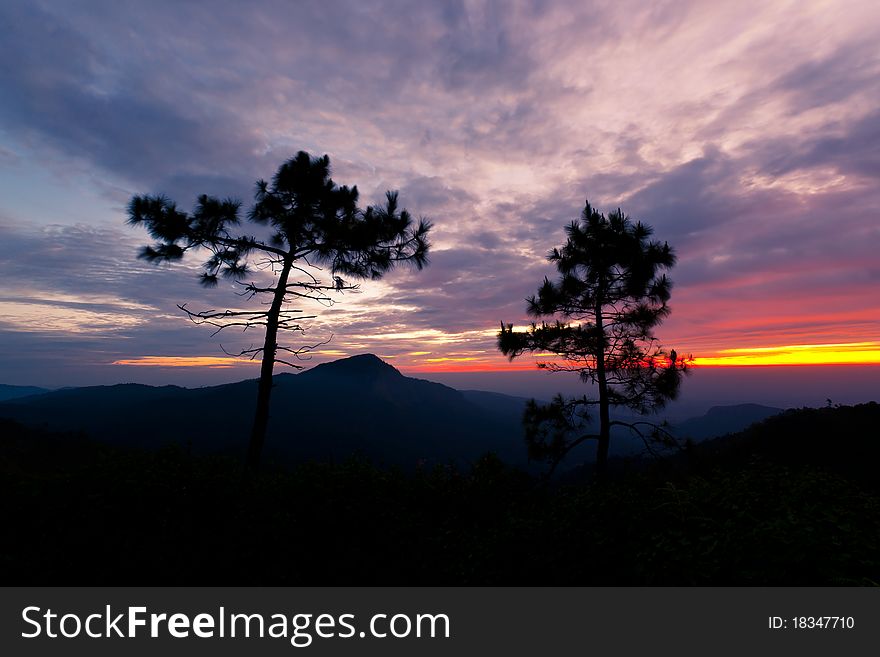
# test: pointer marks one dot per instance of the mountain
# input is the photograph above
(358, 405)
(720, 420)
(364, 366)
(14, 392)
(626, 444)
(496, 402)
(354, 406)
(842, 439)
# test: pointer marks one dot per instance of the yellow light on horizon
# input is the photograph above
(838, 353)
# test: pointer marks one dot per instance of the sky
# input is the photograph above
(747, 133)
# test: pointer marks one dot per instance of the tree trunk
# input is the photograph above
(604, 414)
(604, 427)
(264, 390)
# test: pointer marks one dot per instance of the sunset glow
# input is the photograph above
(748, 141)
(211, 362)
(466, 292)
(856, 353)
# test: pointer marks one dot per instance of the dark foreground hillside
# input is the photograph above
(745, 510)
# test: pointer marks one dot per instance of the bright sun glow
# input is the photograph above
(845, 353)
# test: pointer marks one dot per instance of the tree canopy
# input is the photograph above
(612, 291)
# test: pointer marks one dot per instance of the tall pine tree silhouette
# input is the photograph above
(612, 291)
(312, 222)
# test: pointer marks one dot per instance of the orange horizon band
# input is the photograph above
(853, 353)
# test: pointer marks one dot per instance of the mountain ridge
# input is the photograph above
(358, 365)
(360, 405)
(355, 406)
(8, 392)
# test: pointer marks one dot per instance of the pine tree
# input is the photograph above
(612, 291)
(313, 222)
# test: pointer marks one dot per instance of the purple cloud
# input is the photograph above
(749, 138)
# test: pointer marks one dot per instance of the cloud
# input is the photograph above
(849, 150)
(746, 135)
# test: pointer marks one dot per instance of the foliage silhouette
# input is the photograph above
(776, 516)
(611, 293)
(313, 222)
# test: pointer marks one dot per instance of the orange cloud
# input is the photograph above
(185, 361)
(458, 365)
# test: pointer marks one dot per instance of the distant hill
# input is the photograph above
(14, 392)
(842, 439)
(720, 420)
(359, 405)
(496, 402)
